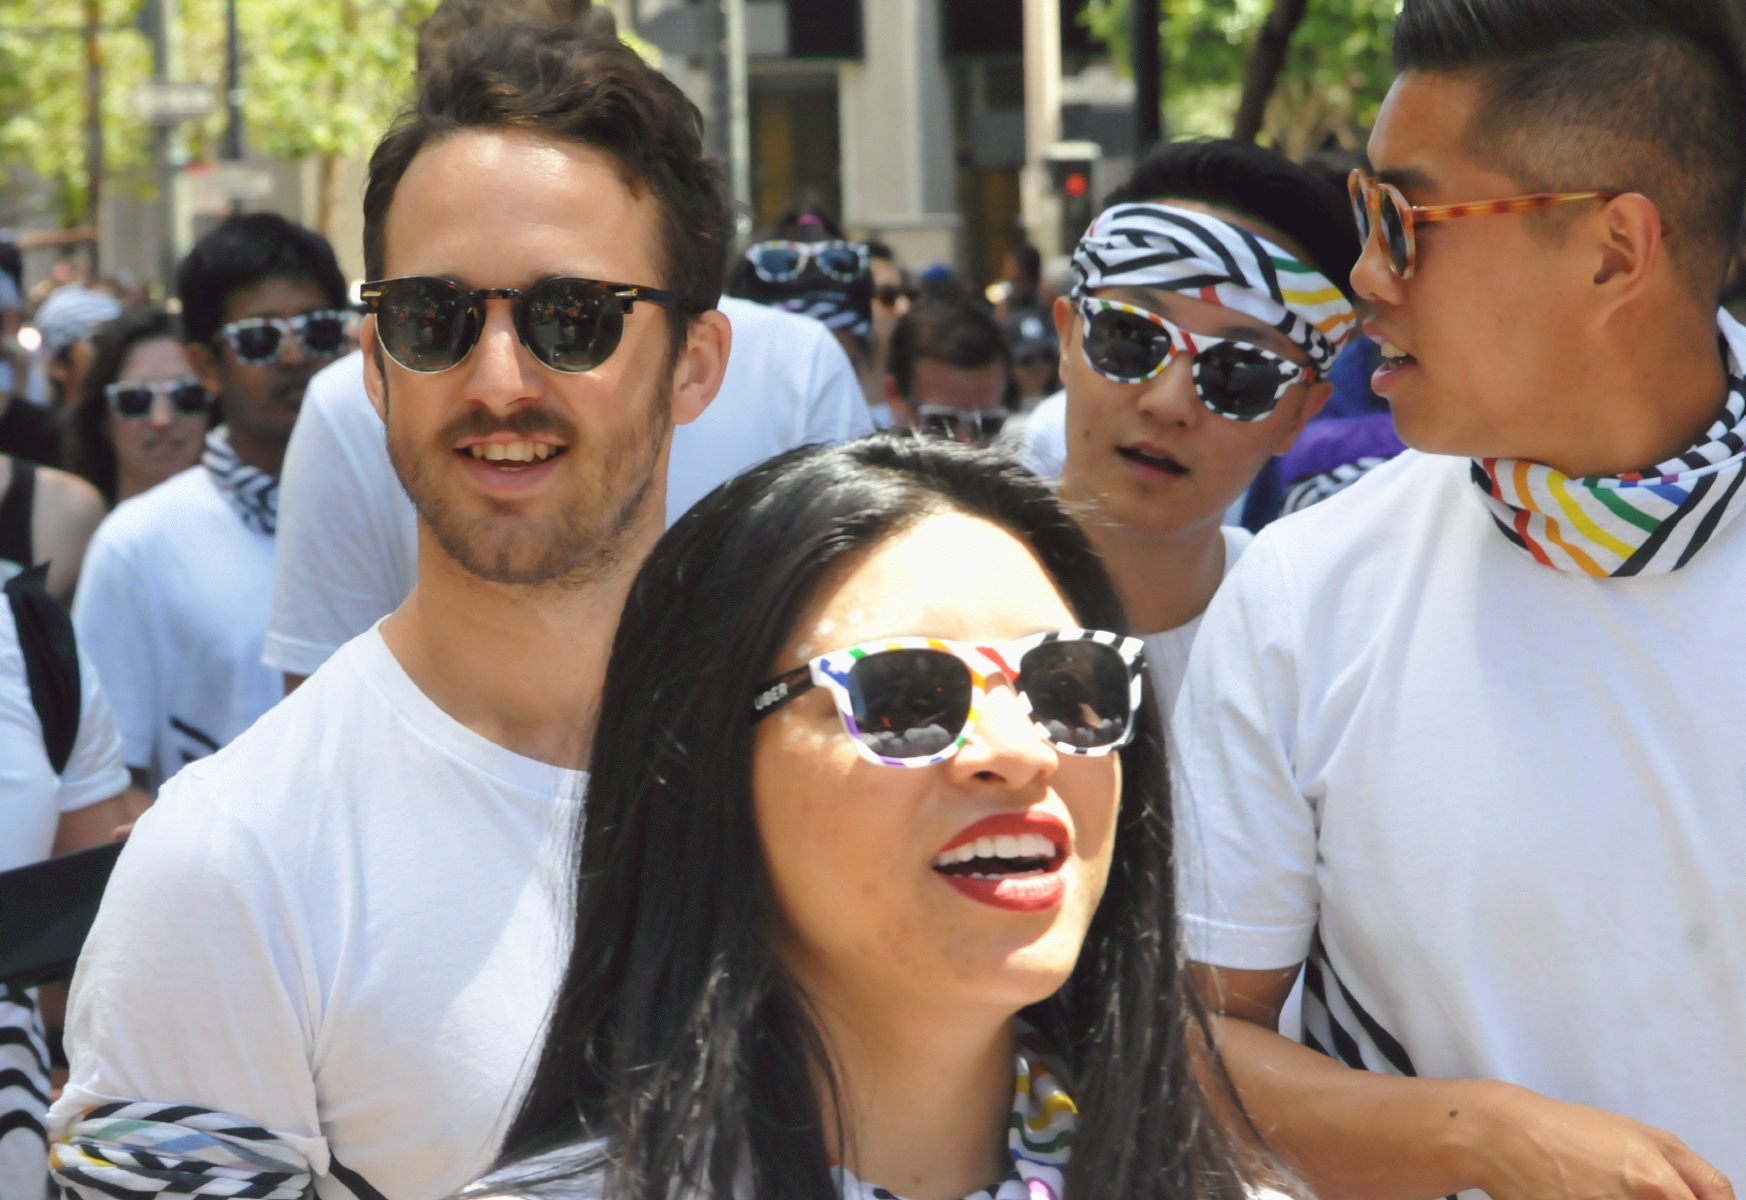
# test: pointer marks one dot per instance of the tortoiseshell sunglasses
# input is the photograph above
(1381, 206)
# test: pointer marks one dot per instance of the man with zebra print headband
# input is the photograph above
(1460, 745)
(1195, 347)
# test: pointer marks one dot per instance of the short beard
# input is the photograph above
(587, 541)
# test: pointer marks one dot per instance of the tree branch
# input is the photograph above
(1266, 62)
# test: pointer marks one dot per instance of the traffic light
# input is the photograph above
(1070, 173)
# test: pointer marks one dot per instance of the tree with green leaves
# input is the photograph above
(1333, 72)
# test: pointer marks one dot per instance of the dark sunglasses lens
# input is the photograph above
(940, 425)
(132, 403)
(840, 262)
(1239, 381)
(324, 334)
(991, 425)
(258, 344)
(1394, 235)
(909, 703)
(777, 262)
(1078, 692)
(1125, 346)
(570, 325)
(188, 399)
(425, 324)
(1360, 207)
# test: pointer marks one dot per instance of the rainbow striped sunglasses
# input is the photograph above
(1382, 206)
(914, 701)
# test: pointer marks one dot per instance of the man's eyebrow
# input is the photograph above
(1408, 177)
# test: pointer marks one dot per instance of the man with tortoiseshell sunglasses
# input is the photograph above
(1460, 744)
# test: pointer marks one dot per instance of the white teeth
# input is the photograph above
(1020, 846)
(512, 451)
(1390, 350)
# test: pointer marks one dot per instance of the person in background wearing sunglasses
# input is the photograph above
(1461, 743)
(145, 414)
(174, 600)
(344, 927)
(803, 264)
(1193, 348)
(947, 373)
(874, 897)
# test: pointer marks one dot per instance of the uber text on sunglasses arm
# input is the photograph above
(1457, 744)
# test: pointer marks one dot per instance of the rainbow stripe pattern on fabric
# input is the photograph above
(1643, 523)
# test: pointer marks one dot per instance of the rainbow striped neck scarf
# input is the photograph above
(1039, 1132)
(1645, 523)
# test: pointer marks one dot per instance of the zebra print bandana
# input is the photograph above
(252, 492)
(1648, 522)
(1205, 258)
(139, 1149)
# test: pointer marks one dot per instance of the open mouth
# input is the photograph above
(1153, 460)
(512, 456)
(1011, 861)
(1394, 356)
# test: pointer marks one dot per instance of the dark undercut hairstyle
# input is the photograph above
(242, 251)
(1259, 183)
(561, 83)
(681, 1054)
(1645, 96)
(950, 329)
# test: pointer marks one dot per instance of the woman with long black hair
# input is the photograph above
(876, 895)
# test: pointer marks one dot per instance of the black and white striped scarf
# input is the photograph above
(251, 491)
(24, 1096)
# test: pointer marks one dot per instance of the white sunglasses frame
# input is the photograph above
(831, 673)
(1193, 345)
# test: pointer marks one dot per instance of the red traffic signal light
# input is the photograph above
(1076, 185)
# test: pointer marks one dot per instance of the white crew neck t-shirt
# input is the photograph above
(172, 608)
(1501, 809)
(1167, 652)
(348, 536)
(347, 926)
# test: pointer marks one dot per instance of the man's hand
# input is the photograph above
(1541, 1149)
(1363, 1136)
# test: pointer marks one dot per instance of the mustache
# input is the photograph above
(478, 423)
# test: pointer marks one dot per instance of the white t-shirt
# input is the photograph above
(348, 536)
(32, 796)
(348, 926)
(172, 607)
(1510, 801)
(1041, 436)
(1167, 652)
(32, 799)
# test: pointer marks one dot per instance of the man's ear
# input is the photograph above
(375, 368)
(702, 364)
(1315, 398)
(1063, 319)
(1632, 244)
(205, 363)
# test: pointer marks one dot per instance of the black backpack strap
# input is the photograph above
(51, 661)
(360, 1187)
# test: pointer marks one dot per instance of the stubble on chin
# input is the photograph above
(583, 542)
